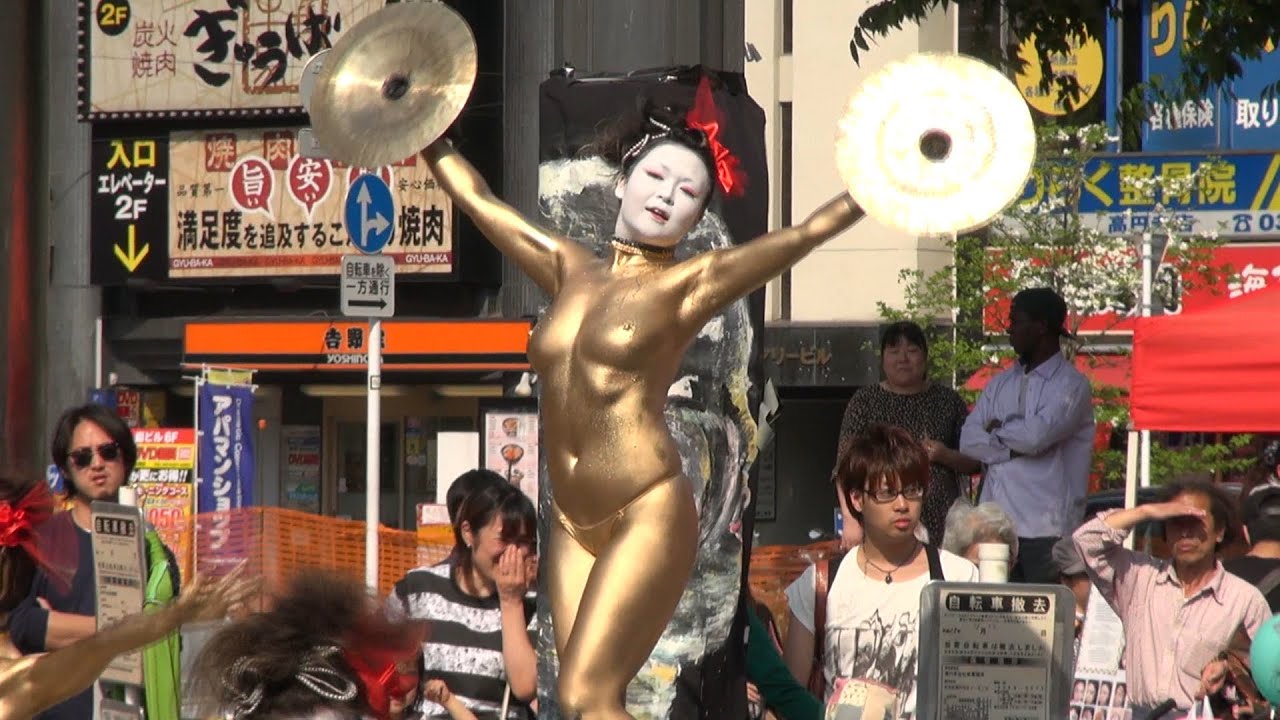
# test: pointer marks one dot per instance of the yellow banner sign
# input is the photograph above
(245, 203)
(198, 57)
(1083, 61)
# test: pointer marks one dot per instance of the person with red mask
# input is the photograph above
(326, 649)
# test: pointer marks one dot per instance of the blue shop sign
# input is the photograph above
(1237, 120)
(1238, 194)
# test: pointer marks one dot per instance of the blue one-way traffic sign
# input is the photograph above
(369, 214)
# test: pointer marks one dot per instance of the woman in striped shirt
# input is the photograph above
(479, 609)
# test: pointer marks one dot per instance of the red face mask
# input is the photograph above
(383, 682)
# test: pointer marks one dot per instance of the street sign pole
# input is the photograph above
(368, 290)
(373, 457)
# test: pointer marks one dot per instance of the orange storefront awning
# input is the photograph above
(426, 345)
(1105, 370)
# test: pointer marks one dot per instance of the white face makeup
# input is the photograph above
(663, 197)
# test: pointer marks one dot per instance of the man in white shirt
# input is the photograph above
(1032, 428)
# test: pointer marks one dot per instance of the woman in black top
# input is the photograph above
(932, 412)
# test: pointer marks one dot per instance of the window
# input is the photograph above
(784, 181)
(788, 24)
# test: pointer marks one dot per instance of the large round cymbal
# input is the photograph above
(936, 144)
(393, 83)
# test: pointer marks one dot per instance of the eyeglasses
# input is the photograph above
(83, 457)
(908, 492)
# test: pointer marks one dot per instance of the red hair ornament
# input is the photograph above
(705, 116)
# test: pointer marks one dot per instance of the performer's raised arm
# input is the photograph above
(540, 254)
(720, 277)
(37, 682)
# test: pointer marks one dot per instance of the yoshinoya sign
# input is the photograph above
(230, 204)
(162, 58)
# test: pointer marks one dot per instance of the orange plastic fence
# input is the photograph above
(278, 544)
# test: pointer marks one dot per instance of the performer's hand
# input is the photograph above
(204, 599)
(437, 692)
(934, 449)
(512, 575)
(993, 424)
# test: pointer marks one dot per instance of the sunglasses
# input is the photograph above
(83, 457)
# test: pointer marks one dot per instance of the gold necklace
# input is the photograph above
(644, 250)
(888, 574)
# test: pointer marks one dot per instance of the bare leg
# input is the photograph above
(566, 581)
(629, 598)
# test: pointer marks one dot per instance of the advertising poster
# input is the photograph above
(225, 459)
(302, 467)
(148, 58)
(511, 448)
(163, 480)
(1099, 690)
(243, 203)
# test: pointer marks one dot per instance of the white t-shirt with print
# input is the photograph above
(872, 628)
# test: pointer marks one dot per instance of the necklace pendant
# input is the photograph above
(888, 579)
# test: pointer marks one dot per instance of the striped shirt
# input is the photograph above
(464, 643)
(1169, 637)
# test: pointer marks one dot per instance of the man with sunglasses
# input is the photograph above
(96, 453)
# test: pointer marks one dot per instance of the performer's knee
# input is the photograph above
(578, 696)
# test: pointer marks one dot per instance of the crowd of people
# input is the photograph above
(456, 639)
(908, 450)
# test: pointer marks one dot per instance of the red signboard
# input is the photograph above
(1250, 267)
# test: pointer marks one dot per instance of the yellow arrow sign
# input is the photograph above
(133, 258)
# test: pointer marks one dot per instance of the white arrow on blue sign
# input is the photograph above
(369, 214)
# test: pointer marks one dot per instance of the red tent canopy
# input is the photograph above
(1216, 370)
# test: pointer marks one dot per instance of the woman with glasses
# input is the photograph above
(872, 607)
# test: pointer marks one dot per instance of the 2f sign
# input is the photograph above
(113, 16)
(130, 208)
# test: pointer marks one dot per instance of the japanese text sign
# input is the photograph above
(1238, 194)
(226, 452)
(1237, 117)
(145, 58)
(128, 207)
(245, 203)
(165, 448)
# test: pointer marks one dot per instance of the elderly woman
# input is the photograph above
(969, 526)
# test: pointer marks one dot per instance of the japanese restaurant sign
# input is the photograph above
(244, 203)
(149, 58)
(230, 204)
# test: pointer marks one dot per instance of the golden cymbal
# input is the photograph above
(393, 83)
(936, 144)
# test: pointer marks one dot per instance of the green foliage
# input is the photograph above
(1045, 241)
(1219, 34)
(1225, 458)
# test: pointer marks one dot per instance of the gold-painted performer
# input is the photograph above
(33, 683)
(625, 530)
